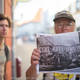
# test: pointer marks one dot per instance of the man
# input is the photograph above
(63, 22)
(4, 52)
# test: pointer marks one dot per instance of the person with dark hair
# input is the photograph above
(63, 22)
(5, 24)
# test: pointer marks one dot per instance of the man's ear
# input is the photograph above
(55, 29)
(74, 27)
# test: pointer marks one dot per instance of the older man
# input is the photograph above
(63, 23)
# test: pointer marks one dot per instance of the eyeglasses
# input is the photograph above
(61, 25)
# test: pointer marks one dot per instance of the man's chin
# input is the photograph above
(3, 36)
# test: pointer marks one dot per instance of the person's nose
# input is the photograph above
(65, 26)
(4, 28)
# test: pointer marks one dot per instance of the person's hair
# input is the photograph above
(3, 17)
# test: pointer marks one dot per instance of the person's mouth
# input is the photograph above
(4, 32)
(65, 30)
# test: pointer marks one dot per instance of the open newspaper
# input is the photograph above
(59, 52)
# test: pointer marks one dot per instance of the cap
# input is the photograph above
(64, 14)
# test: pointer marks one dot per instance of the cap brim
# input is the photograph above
(64, 17)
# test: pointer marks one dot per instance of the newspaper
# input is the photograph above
(59, 52)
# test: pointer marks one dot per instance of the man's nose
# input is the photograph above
(4, 28)
(65, 26)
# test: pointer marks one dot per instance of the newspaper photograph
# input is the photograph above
(59, 52)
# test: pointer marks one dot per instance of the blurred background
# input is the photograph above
(30, 17)
(36, 16)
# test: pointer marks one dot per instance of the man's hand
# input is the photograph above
(31, 73)
(35, 57)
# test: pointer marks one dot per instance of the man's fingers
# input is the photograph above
(36, 52)
(34, 58)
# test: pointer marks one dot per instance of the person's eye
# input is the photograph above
(69, 24)
(7, 25)
(1, 25)
(59, 26)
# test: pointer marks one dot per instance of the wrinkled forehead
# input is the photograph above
(62, 20)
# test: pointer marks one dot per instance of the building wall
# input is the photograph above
(1, 6)
(8, 12)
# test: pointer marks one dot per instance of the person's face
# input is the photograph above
(64, 25)
(4, 26)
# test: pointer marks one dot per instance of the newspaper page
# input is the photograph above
(59, 52)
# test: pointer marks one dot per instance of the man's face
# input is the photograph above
(64, 25)
(4, 26)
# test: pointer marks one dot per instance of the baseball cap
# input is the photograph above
(64, 14)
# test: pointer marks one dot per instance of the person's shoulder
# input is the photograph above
(7, 53)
